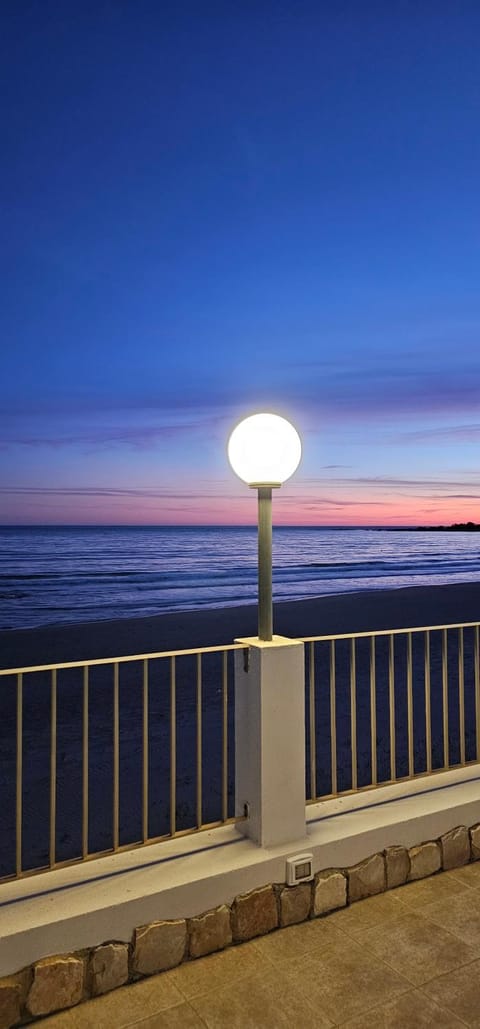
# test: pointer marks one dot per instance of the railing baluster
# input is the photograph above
(333, 717)
(411, 758)
(173, 748)
(446, 754)
(19, 777)
(313, 738)
(428, 711)
(373, 712)
(476, 660)
(391, 702)
(53, 765)
(85, 744)
(199, 742)
(116, 756)
(145, 753)
(353, 710)
(224, 737)
(461, 695)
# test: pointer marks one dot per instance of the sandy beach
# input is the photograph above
(348, 612)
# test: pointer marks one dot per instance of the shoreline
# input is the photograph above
(360, 611)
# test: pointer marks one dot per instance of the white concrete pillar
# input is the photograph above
(270, 740)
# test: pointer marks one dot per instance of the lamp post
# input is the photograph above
(264, 450)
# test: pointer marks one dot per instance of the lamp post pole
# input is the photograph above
(264, 450)
(265, 607)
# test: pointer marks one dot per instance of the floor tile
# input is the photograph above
(266, 1000)
(291, 943)
(120, 1007)
(182, 1016)
(345, 982)
(459, 914)
(217, 970)
(366, 913)
(459, 991)
(424, 891)
(469, 875)
(410, 1011)
(416, 948)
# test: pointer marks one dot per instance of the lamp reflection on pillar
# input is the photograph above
(264, 450)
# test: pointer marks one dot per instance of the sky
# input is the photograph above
(214, 209)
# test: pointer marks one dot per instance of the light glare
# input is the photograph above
(264, 449)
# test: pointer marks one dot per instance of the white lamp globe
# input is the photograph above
(264, 450)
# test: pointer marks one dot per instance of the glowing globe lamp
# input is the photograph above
(264, 450)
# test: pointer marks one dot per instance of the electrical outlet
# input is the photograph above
(299, 869)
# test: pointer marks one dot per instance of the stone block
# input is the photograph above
(397, 866)
(424, 860)
(24, 980)
(13, 996)
(57, 984)
(455, 847)
(10, 1002)
(108, 967)
(209, 932)
(295, 903)
(254, 913)
(475, 842)
(366, 878)
(330, 891)
(159, 945)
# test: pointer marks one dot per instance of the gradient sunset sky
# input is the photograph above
(211, 209)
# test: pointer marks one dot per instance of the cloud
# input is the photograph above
(371, 384)
(321, 500)
(138, 437)
(154, 492)
(375, 386)
(357, 487)
(469, 433)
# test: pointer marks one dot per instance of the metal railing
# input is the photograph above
(78, 738)
(102, 756)
(390, 705)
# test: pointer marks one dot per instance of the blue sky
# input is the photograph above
(214, 209)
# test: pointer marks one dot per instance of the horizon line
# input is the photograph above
(205, 525)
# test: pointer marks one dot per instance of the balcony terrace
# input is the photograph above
(358, 753)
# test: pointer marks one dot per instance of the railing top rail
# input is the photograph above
(230, 646)
(121, 660)
(386, 632)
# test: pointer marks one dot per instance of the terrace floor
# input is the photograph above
(406, 958)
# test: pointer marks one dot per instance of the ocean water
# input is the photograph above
(61, 575)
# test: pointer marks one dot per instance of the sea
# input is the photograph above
(59, 575)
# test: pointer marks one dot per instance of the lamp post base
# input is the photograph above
(270, 742)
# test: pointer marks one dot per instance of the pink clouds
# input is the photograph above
(344, 502)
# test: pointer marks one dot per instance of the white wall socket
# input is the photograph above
(299, 869)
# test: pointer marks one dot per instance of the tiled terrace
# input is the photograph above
(406, 958)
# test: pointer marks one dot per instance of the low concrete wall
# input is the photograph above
(80, 931)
